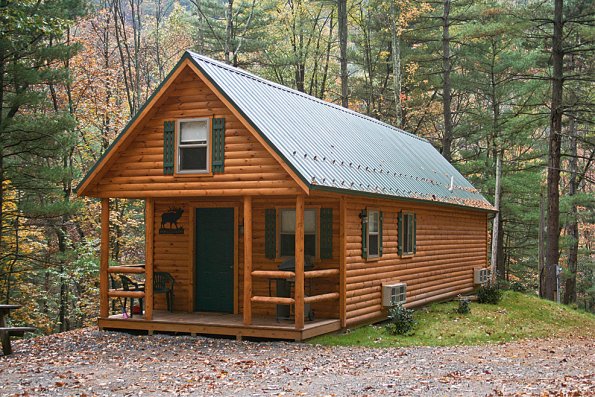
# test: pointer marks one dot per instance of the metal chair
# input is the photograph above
(130, 285)
(163, 283)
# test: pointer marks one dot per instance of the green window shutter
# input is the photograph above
(380, 219)
(364, 215)
(414, 237)
(326, 233)
(270, 233)
(218, 145)
(169, 128)
(400, 233)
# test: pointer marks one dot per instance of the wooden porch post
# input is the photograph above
(247, 260)
(149, 238)
(104, 260)
(299, 262)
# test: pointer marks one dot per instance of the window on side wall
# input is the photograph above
(193, 146)
(287, 232)
(373, 234)
(407, 228)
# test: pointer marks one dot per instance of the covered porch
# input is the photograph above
(251, 273)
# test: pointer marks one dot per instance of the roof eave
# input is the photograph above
(397, 198)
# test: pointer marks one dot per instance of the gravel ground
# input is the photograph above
(91, 363)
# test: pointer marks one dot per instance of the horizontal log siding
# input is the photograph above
(173, 254)
(325, 309)
(450, 243)
(138, 169)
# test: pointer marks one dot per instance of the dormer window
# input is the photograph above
(193, 146)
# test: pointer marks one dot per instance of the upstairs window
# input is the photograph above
(193, 146)
(287, 232)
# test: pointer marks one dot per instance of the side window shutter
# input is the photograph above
(218, 145)
(414, 237)
(364, 218)
(326, 233)
(169, 128)
(270, 233)
(400, 233)
(380, 222)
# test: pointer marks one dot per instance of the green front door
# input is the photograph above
(214, 260)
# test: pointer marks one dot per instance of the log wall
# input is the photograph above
(450, 244)
(137, 169)
(174, 254)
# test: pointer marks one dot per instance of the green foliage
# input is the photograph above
(489, 293)
(518, 316)
(400, 320)
(464, 305)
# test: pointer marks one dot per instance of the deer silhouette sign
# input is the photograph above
(171, 218)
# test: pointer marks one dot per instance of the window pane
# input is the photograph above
(194, 131)
(373, 248)
(287, 221)
(193, 158)
(310, 245)
(287, 245)
(373, 221)
(309, 221)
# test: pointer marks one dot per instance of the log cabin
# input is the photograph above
(280, 215)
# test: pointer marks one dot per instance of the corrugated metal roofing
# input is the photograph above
(333, 147)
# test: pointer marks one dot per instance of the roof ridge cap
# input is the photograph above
(299, 93)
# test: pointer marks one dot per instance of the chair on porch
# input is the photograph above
(163, 283)
(116, 285)
(130, 285)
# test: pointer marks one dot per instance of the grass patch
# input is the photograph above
(517, 316)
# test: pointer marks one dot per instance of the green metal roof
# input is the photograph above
(333, 148)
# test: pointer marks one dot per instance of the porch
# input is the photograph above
(252, 291)
(220, 324)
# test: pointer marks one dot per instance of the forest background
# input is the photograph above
(504, 89)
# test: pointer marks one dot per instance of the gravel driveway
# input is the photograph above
(91, 363)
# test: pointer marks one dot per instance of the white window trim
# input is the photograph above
(280, 227)
(207, 145)
(377, 233)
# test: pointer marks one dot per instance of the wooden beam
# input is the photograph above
(125, 294)
(149, 252)
(247, 260)
(322, 297)
(299, 262)
(125, 269)
(272, 274)
(321, 273)
(104, 260)
(342, 262)
(273, 299)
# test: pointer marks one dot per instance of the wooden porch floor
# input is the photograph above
(221, 324)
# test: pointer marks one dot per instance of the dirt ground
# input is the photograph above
(88, 362)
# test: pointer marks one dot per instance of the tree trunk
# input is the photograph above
(496, 272)
(541, 246)
(395, 13)
(553, 175)
(570, 284)
(342, 16)
(228, 31)
(446, 85)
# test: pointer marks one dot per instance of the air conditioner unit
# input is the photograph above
(393, 294)
(482, 276)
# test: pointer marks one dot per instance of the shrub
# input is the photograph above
(464, 305)
(489, 293)
(401, 320)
